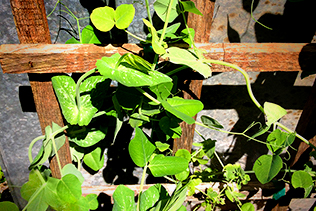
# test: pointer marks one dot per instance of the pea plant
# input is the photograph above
(147, 96)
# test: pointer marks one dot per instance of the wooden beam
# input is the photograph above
(32, 27)
(62, 58)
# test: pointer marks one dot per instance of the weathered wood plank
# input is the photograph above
(58, 58)
(32, 27)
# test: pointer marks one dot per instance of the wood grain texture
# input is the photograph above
(32, 27)
(62, 58)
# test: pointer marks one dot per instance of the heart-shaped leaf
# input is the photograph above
(267, 167)
(95, 159)
(124, 15)
(273, 112)
(103, 18)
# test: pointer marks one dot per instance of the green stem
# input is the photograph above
(297, 135)
(176, 70)
(56, 154)
(148, 12)
(135, 36)
(219, 159)
(141, 186)
(251, 9)
(53, 9)
(31, 146)
(244, 73)
(166, 22)
(148, 95)
(84, 76)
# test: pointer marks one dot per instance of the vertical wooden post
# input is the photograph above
(202, 28)
(32, 27)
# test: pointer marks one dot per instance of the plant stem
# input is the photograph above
(84, 76)
(135, 36)
(297, 135)
(177, 70)
(31, 146)
(56, 154)
(148, 12)
(141, 186)
(219, 159)
(166, 22)
(148, 96)
(244, 73)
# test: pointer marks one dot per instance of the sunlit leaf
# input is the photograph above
(161, 7)
(267, 167)
(189, 6)
(123, 199)
(94, 159)
(124, 15)
(273, 112)
(167, 165)
(103, 18)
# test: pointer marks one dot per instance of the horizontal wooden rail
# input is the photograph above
(62, 58)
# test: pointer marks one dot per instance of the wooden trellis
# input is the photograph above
(36, 55)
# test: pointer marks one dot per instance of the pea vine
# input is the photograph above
(146, 96)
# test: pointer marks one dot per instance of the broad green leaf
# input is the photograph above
(129, 76)
(184, 57)
(137, 120)
(136, 62)
(149, 198)
(88, 137)
(186, 106)
(189, 6)
(95, 159)
(92, 201)
(51, 195)
(301, 179)
(88, 36)
(247, 207)
(103, 18)
(210, 122)
(161, 7)
(71, 169)
(140, 148)
(8, 206)
(33, 191)
(267, 167)
(124, 15)
(167, 165)
(65, 89)
(188, 119)
(170, 126)
(273, 112)
(123, 199)
(275, 140)
(170, 31)
(157, 46)
(69, 188)
(161, 146)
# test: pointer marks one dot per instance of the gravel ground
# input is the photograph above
(232, 23)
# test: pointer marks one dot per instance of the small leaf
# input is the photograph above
(186, 106)
(161, 146)
(95, 159)
(301, 179)
(161, 166)
(123, 199)
(92, 201)
(137, 120)
(140, 148)
(208, 121)
(149, 198)
(267, 167)
(103, 18)
(189, 6)
(170, 126)
(124, 15)
(8, 206)
(247, 207)
(157, 46)
(273, 112)
(275, 140)
(88, 36)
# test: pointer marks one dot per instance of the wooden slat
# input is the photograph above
(202, 27)
(32, 27)
(62, 58)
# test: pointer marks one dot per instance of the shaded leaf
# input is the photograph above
(267, 167)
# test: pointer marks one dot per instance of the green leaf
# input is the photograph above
(184, 57)
(161, 146)
(51, 195)
(95, 159)
(33, 191)
(128, 76)
(71, 169)
(209, 147)
(88, 36)
(137, 120)
(124, 15)
(103, 18)
(86, 137)
(161, 7)
(162, 91)
(186, 106)
(267, 167)
(184, 154)
(123, 199)
(273, 112)
(275, 140)
(247, 207)
(149, 198)
(140, 148)
(8, 206)
(192, 184)
(177, 113)
(210, 122)
(186, 37)
(72, 41)
(92, 201)
(69, 188)
(170, 126)
(59, 139)
(301, 179)
(161, 166)
(189, 6)
(157, 46)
